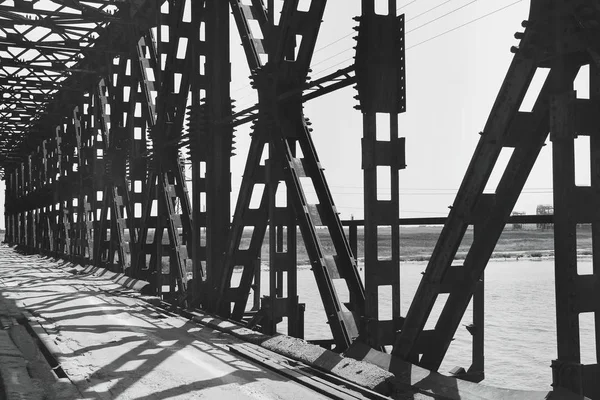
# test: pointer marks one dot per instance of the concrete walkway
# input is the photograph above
(112, 345)
(24, 372)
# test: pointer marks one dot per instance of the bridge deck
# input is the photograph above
(113, 345)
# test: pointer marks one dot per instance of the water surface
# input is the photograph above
(520, 325)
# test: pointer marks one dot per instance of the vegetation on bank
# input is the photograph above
(417, 243)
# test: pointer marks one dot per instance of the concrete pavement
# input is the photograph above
(112, 345)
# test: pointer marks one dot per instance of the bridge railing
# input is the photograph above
(354, 224)
(475, 372)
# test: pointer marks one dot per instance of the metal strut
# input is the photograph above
(282, 127)
(115, 192)
(166, 181)
(559, 36)
(381, 89)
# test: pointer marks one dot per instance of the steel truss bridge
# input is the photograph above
(104, 100)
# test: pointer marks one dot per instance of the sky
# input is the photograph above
(458, 52)
(456, 59)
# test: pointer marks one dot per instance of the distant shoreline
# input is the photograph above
(510, 256)
(417, 244)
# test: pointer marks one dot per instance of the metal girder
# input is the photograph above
(563, 51)
(82, 186)
(380, 83)
(213, 144)
(311, 90)
(166, 182)
(115, 192)
(33, 57)
(281, 126)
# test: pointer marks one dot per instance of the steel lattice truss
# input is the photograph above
(104, 103)
(48, 52)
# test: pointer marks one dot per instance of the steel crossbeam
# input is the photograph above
(312, 89)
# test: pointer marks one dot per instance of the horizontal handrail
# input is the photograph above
(514, 219)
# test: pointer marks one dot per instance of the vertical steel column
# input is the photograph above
(21, 192)
(562, 136)
(116, 215)
(11, 195)
(68, 186)
(104, 236)
(198, 150)
(85, 186)
(36, 185)
(254, 178)
(592, 372)
(171, 84)
(29, 218)
(283, 126)
(250, 218)
(88, 168)
(36, 231)
(7, 222)
(139, 163)
(575, 293)
(47, 160)
(380, 83)
(9, 214)
(9, 210)
(80, 237)
(282, 252)
(59, 210)
(271, 305)
(16, 217)
(219, 140)
(553, 35)
(476, 371)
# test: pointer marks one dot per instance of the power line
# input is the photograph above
(406, 5)
(415, 45)
(410, 19)
(351, 33)
(334, 42)
(439, 35)
(442, 16)
(431, 9)
(330, 57)
(465, 24)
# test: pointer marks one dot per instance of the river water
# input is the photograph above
(520, 322)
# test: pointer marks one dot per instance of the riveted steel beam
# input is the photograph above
(380, 80)
(280, 65)
(564, 51)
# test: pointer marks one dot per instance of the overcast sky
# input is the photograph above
(456, 59)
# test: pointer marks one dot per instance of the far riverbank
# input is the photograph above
(417, 243)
